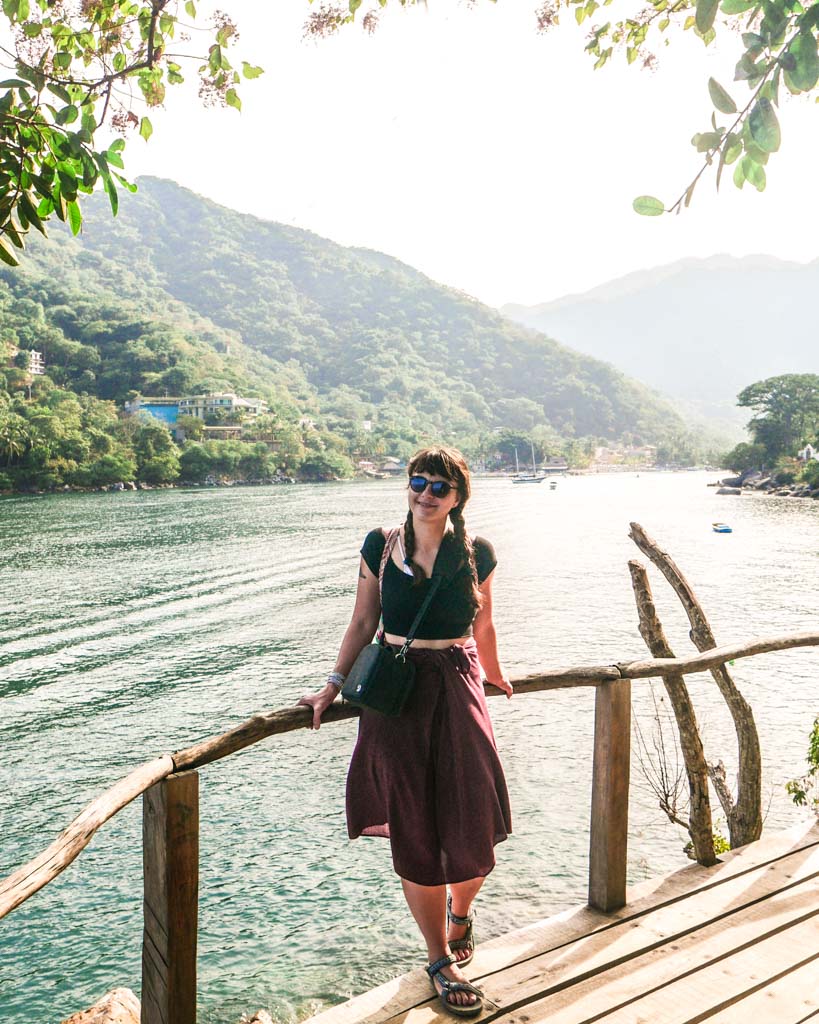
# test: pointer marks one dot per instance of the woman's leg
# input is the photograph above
(462, 895)
(428, 906)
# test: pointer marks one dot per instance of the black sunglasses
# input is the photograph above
(438, 488)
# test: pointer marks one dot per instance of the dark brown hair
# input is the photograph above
(450, 464)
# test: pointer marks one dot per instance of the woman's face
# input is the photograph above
(426, 507)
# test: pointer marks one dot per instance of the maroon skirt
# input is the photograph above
(431, 780)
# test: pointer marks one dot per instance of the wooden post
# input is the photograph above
(609, 806)
(170, 851)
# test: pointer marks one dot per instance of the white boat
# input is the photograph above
(553, 485)
(527, 478)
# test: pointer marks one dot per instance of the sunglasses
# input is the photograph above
(438, 488)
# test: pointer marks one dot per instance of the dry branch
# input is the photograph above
(745, 815)
(700, 826)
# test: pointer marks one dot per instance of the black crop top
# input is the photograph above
(449, 615)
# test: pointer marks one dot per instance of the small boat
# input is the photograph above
(721, 528)
(527, 478)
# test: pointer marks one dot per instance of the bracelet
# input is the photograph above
(336, 679)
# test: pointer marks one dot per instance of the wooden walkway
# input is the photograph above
(737, 943)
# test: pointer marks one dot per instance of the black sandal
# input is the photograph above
(447, 986)
(468, 941)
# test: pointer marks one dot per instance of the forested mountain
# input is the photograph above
(700, 329)
(350, 333)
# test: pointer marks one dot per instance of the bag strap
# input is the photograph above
(389, 544)
(436, 582)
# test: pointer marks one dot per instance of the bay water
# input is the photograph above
(138, 623)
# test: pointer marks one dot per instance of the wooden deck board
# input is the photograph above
(674, 936)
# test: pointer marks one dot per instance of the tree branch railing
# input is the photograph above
(170, 818)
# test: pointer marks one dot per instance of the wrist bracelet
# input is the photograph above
(336, 679)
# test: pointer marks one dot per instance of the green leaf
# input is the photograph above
(720, 98)
(764, 126)
(215, 58)
(354, 5)
(705, 14)
(732, 147)
(62, 60)
(648, 206)
(737, 6)
(753, 173)
(6, 255)
(146, 129)
(28, 209)
(59, 91)
(232, 99)
(804, 74)
(190, 9)
(32, 29)
(74, 217)
(739, 175)
(23, 10)
(706, 141)
(113, 198)
(120, 62)
(117, 146)
(249, 71)
(753, 42)
(67, 115)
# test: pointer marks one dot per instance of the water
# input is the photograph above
(134, 624)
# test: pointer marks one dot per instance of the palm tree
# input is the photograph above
(14, 437)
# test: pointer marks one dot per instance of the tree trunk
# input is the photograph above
(745, 814)
(700, 826)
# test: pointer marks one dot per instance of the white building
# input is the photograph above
(203, 406)
(808, 453)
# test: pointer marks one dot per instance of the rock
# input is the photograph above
(729, 490)
(260, 1017)
(119, 1006)
(731, 481)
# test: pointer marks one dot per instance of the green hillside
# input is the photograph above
(178, 295)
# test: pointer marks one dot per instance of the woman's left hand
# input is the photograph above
(503, 685)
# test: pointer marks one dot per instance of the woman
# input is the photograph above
(430, 779)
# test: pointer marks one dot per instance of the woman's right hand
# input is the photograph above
(319, 702)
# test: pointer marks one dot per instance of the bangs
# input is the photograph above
(435, 462)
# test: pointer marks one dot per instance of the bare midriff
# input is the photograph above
(431, 645)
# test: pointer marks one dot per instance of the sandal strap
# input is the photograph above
(459, 986)
(445, 961)
(456, 918)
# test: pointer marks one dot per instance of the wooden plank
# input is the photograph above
(412, 989)
(608, 845)
(584, 963)
(170, 845)
(790, 999)
(674, 964)
(718, 986)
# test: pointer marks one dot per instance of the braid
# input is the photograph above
(418, 574)
(465, 542)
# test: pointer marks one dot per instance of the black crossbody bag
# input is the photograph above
(382, 679)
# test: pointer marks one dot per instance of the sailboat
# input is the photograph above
(526, 478)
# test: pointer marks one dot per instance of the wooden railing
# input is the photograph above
(170, 788)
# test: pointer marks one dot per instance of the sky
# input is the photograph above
(491, 157)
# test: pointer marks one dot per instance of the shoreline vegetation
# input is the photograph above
(226, 483)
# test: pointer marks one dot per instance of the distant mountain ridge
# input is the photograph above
(361, 335)
(698, 329)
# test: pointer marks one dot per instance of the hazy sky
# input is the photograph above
(492, 158)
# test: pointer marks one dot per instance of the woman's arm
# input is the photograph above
(484, 631)
(358, 634)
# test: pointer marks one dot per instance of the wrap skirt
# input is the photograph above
(430, 780)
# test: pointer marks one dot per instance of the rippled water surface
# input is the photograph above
(134, 624)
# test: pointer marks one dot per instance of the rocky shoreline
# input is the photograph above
(121, 1006)
(759, 483)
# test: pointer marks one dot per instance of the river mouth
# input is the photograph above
(137, 623)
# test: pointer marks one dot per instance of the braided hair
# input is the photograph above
(450, 464)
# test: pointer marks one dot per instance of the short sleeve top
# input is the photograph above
(450, 614)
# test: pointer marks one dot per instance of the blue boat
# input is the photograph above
(721, 528)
